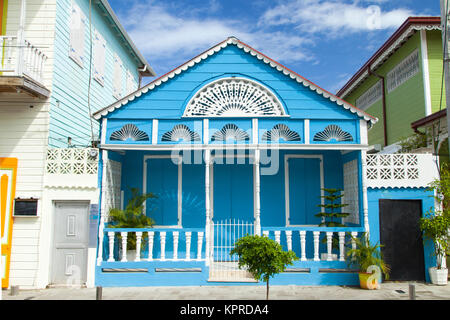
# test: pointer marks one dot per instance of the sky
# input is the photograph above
(325, 41)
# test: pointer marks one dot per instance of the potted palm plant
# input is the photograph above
(435, 228)
(369, 259)
(132, 216)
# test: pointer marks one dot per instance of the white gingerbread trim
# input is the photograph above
(386, 54)
(234, 41)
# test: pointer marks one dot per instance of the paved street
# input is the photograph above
(388, 291)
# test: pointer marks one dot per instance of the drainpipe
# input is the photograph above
(140, 75)
(384, 102)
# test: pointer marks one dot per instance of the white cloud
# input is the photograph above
(333, 17)
(169, 39)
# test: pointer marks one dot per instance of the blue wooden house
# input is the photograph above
(232, 143)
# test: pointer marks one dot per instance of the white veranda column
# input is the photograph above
(364, 187)
(102, 208)
(207, 205)
(257, 192)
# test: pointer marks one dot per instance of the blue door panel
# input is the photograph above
(162, 180)
(304, 191)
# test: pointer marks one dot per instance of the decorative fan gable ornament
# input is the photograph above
(333, 132)
(129, 131)
(230, 132)
(180, 132)
(280, 131)
(233, 97)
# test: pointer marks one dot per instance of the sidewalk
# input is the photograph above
(388, 291)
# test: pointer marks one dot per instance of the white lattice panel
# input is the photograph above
(111, 188)
(351, 191)
(400, 170)
(71, 168)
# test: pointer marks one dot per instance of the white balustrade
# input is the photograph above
(292, 235)
(124, 246)
(341, 246)
(21, 59)
(111, 246)
(175, 245)
(138, 246)
(199, 245)
(303, 245)
(289, 239)
(151, 236)
(329, 246)
(162, 238)
(316, 245)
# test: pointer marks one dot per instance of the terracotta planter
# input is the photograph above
(365, 283)
(438, 276)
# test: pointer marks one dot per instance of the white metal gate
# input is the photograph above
(224, 267)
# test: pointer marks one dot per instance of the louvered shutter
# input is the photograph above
(117, 81)
(99, 57)
(131, 84)
(77, 27)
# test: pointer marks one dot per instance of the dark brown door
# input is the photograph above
(402, 240)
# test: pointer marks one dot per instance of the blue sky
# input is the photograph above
(325, 41)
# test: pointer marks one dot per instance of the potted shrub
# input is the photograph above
(132, 217)
(435, 228)
(368, 258)
(332, 216)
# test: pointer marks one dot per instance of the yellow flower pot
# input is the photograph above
(368, 281)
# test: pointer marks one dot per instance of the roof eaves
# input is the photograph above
(260, 56)
(395, 41)
(146, 69)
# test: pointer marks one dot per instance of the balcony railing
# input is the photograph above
(154, 244)
(21, 59)
(308, 241)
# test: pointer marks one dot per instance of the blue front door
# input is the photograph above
(304, 191)
(233, 192)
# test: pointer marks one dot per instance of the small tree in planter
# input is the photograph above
(435, 228)
(331, 213)
(262, 257)
(132, 216)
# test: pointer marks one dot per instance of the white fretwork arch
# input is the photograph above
(234, 97)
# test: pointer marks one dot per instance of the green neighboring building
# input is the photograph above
(408, 68)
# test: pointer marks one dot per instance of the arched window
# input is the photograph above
(234, 97)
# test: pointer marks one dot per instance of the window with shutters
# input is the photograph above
(117, 79)
(99, 54)
(77, 28)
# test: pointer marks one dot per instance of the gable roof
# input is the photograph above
(395, 41)
(145, 69)
(246, 48)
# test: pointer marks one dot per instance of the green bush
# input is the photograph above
(262, 257)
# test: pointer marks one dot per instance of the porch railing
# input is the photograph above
(154, 244)
(307, 241)
(21, 59)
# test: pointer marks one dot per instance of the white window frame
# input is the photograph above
(286, 183)
(180, 185)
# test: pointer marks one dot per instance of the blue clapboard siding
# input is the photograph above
(168, 100)
(71, 116)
